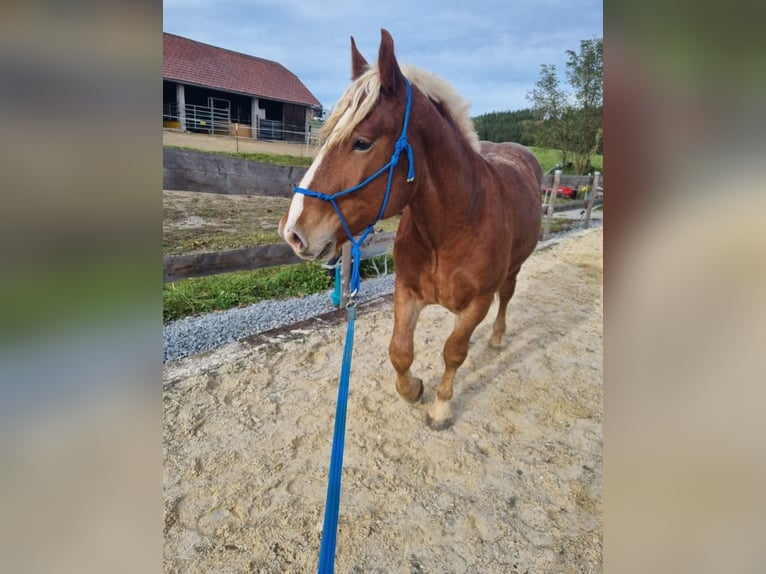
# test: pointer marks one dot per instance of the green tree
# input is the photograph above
(585, 73)
(573, 123)
(554, 114)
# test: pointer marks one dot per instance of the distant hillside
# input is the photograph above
(506, 127)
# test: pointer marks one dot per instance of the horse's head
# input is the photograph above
(359, 139)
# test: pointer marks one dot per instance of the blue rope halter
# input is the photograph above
(356, 245)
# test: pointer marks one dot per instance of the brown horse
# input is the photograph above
(470, 217)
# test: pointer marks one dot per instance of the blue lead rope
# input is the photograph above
(332, 506)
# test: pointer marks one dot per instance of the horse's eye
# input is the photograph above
(361, 145)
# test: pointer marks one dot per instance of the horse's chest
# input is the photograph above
(447, 285)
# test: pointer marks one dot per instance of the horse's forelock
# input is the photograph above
(354, 105)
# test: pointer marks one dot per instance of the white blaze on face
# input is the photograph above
(296, 205)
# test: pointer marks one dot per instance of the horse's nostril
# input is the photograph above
(293, 239)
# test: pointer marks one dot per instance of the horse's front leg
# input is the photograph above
(406, 312)
(439, 414)
(498, 328)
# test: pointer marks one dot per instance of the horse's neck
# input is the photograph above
(450, 196)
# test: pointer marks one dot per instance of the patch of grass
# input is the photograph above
(548, 158)
(219, 292)
(390, 224)
(565, 201)
(559, 225)
(229, 290)
(273, 158)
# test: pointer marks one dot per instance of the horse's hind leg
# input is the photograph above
(439, 414)
(401, 351)
(498, 327)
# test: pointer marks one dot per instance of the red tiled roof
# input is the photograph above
(191, 62)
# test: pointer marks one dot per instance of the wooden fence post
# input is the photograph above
(592, 198)
(551, 200)
(345, 273)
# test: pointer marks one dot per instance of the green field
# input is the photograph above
(548, 158)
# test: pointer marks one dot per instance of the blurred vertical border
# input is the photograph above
(80, 296)
(685, 287)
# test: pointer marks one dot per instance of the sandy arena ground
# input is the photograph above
(514, 486)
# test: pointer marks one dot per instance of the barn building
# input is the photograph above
(211, 90)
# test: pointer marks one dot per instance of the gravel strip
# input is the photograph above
(200, 333)
(192, 335)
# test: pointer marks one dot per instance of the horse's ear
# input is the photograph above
(358, 64)
(391, 76)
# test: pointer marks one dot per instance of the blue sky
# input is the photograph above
(490, 50)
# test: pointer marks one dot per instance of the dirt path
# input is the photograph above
(228, 143)
(513, 486)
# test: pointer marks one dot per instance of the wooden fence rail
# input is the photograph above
(176, 267)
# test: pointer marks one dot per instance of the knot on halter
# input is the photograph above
(318, 195)
(403, 145)
(356, 255)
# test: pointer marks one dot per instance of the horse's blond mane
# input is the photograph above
(361, 96)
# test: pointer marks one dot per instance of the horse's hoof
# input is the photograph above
(439, 415)
(416, 396)
(438, 425)
(496, 342)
